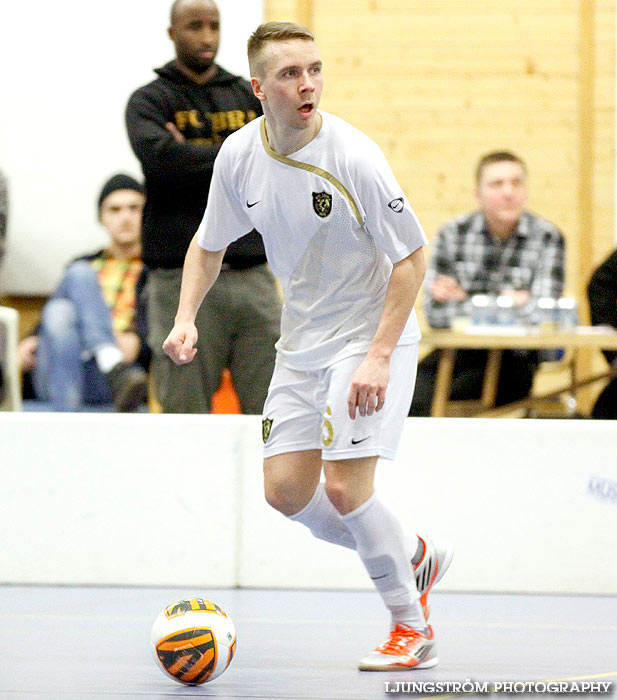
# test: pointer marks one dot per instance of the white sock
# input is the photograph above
(324, 521)
(384, 550)
(107, 357)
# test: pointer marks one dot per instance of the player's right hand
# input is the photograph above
(180, 343)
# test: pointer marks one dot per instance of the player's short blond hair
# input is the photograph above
(273, 31)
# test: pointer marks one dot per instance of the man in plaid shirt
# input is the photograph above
(500, 250)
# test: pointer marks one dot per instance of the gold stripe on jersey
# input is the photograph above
(312, 169)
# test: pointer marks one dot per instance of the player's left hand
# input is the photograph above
(367, 393)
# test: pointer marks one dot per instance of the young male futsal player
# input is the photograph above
(347, 248)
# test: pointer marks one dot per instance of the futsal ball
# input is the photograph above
(193, 640)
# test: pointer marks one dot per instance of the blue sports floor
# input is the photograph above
(64, 643)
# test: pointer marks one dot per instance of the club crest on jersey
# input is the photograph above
(266, 427)
(322, 203)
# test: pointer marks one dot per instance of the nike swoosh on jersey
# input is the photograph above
(252, 204)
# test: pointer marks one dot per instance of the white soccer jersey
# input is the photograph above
(333, 219)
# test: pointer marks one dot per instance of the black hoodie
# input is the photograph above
(178, 175)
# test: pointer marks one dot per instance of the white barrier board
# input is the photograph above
(178, 500)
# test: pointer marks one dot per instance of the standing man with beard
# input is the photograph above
(176, 125)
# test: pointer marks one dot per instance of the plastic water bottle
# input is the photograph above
(568, 313)
(481, 310)
(505, 312)
(548, 314)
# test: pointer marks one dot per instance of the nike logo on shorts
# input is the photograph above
(356, 442)
(252, 204)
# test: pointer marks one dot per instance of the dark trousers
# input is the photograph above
(605, 406)
(515, 377)
(238, 325)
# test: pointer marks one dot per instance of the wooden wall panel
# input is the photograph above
(437, 86)
(603, 235)
(289, 11)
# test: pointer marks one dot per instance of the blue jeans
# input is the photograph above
(75, 322)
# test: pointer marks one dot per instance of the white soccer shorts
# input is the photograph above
(307, 410)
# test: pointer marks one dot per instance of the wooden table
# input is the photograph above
(496, 340)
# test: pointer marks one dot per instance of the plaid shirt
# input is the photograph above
(532, 259)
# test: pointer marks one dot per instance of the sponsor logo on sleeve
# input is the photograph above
(397, 205)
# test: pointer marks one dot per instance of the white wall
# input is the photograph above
(67, 69)
(177, 500)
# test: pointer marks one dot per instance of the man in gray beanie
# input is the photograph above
(90, 345)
